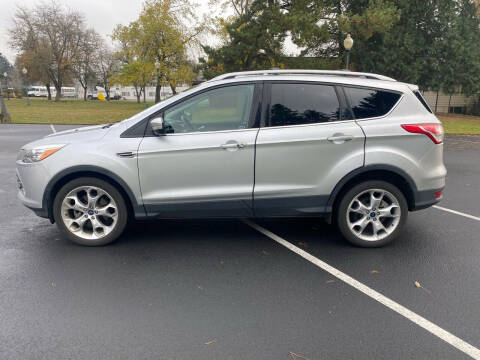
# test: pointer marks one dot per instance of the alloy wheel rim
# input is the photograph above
(89, 212)
(373, 214)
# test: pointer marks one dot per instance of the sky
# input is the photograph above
(102, 15)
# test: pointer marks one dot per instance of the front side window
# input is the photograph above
(297, 104)
(225, 108)
(368, 103)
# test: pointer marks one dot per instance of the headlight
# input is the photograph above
(40, 153)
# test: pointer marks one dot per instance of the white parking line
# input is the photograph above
(53, 128)
(410, 315)
(457, 212)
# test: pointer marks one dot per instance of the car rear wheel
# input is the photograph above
(372, 213)
(90, 211)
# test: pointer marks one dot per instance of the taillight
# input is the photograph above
(434, 131)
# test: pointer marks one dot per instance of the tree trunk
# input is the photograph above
(107, 91)
(85, 93)
(138, 94)
(144, 95)
(59, 92)
(4, 115)
(248, 63)
(158, 88)
(174, 88)
(436, 101)
(49, 93)
(449, 101)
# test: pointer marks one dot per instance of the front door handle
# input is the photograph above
(232, 145)
(340, 138)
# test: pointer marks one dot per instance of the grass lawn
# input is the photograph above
(42, 111)
(460, 124)
(79, 112)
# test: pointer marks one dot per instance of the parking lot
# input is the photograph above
(224, 290)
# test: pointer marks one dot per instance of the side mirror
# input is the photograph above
(157, 126)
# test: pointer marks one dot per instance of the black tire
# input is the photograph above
(341, 213)
(122, 212)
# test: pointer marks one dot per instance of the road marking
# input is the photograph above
(410, 315)
(457, 212)
(53, 128)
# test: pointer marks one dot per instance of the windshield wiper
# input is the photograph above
(107, 126)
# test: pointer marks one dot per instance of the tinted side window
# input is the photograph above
(226, 108)
(367, 103)
(296, 104)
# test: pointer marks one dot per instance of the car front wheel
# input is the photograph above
(372, 213)
(90, 211)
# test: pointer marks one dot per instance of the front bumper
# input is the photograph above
(32, 180)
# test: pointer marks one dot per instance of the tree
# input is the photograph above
(429, 42)
(253, 38)
(137, 73)
(320, 26)
(160, 36)
(5, 65)
(36, 61)
(464, 57)
(107, 65)
(430, 45)
(34, 53)
(85, 63)
(54, 30)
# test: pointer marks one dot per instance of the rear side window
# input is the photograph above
(422, 100)
(296, 104)
(368, 103)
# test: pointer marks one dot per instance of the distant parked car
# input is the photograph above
(360, 149)
(100, 90)
(96, 92)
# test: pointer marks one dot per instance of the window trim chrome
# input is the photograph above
(208, 132)
(326, 123)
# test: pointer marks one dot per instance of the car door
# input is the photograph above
(309, 142)
(203, 164)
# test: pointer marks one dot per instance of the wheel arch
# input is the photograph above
(387, 173)
(63, 177)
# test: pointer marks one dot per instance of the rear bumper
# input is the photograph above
(426, 198)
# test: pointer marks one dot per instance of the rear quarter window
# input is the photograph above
(422, 100)
(369, 103)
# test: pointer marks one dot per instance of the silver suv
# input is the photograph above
(359, 149)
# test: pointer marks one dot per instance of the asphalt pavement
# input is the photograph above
(222, 290)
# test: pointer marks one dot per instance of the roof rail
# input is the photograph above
(300, 72)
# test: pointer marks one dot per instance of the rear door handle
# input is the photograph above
(338, 139)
